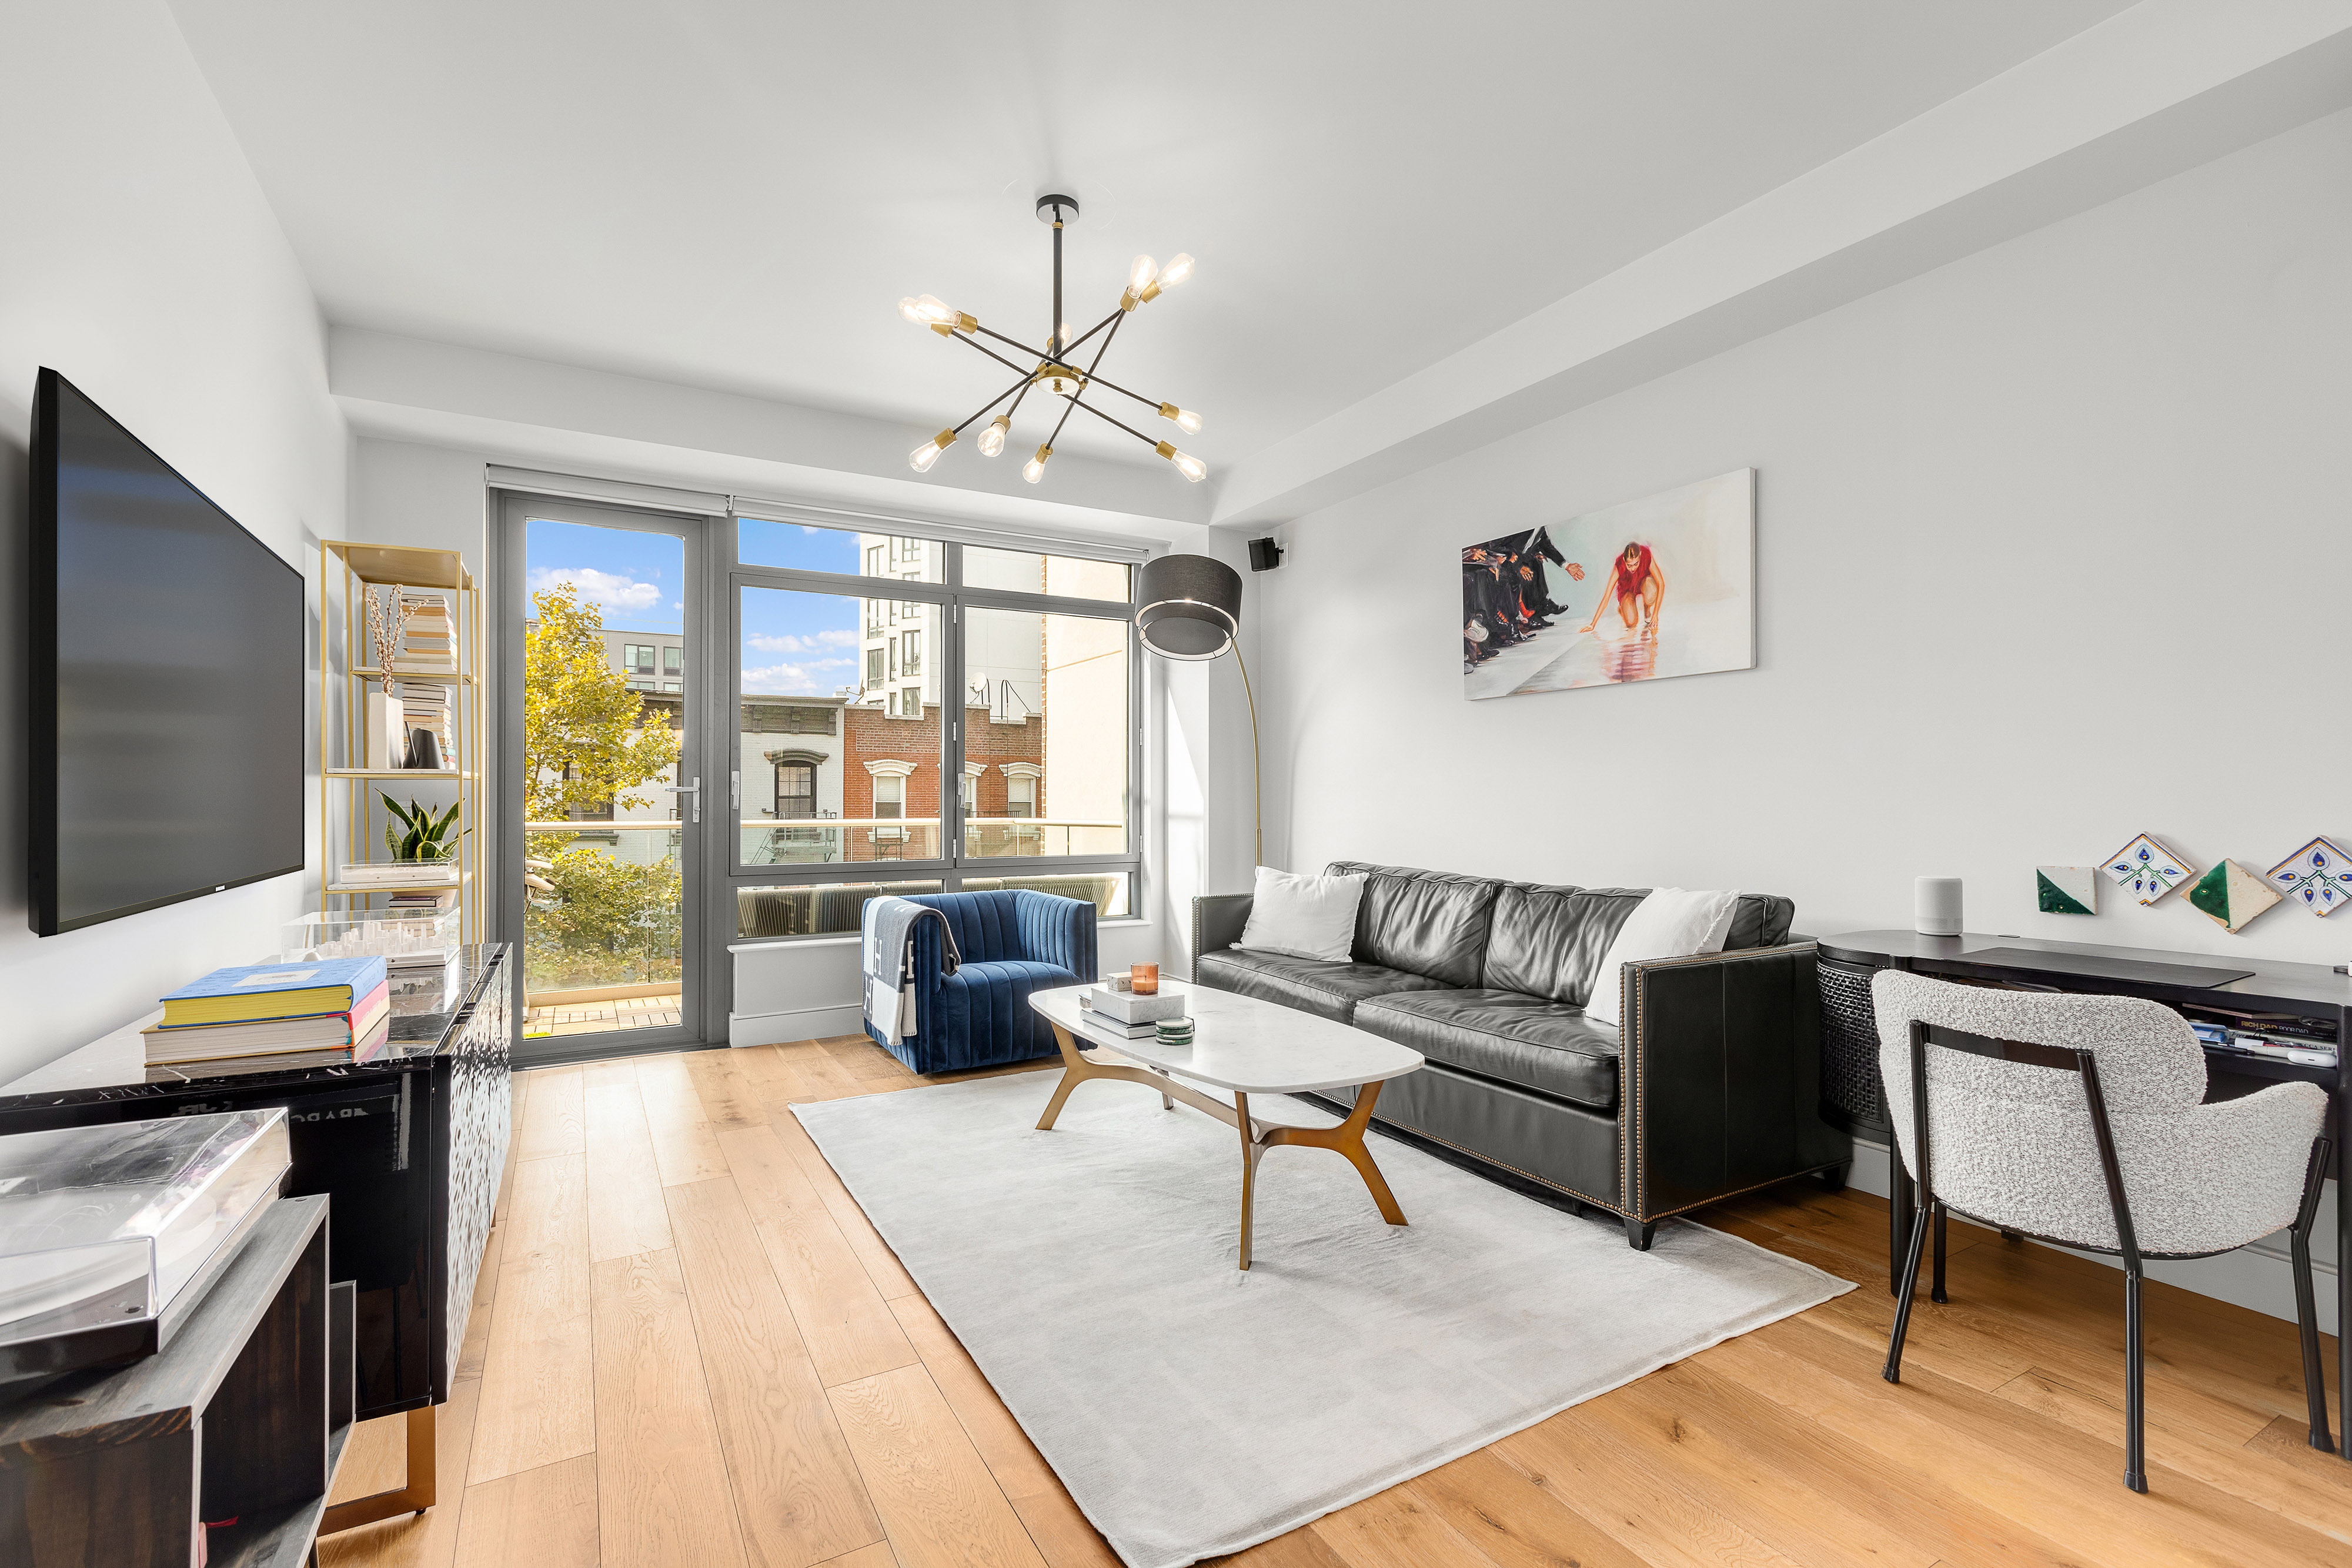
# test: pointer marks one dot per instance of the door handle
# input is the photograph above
(694, 790)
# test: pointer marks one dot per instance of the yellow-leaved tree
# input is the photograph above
(587, 740)
(595, 918)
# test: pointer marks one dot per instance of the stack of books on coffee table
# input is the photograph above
(325, 1012)
(1121, 1016)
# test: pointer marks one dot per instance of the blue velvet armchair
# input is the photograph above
(1013, 943)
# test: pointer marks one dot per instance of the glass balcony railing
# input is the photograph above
(852, 839)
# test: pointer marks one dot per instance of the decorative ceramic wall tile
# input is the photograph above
(2066, 889)
(2317, 876)
(2146, 870)
(2232, 894)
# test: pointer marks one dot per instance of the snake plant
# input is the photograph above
(419, 833)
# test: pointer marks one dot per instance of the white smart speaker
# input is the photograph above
(1936, 905)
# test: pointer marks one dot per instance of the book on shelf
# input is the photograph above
(249, 993)
(353, 1034)
(423, 899)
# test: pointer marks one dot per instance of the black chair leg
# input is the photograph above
(1937, 1292)
(1903, 1290)
(1639, 1233)
(1901, 1204)
(2306, 1311)
(2134, 1389)
(2306, 1321)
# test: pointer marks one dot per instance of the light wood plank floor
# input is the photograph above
(690, 1348)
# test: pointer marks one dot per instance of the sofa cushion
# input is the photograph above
(1316, 986)
(1421, 922)
(1550, 941)
(1532, 1041)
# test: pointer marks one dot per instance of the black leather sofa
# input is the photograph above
(1711, 1089)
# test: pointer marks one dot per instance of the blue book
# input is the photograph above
(249, 993)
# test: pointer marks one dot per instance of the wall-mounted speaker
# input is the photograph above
(1265, 554)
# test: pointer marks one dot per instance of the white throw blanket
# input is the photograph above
(888, 969)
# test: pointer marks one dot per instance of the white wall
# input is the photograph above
(2051, 545)
(141, 262)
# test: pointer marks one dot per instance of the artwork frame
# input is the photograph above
(1670, 590)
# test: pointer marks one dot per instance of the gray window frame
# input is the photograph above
(731, 574)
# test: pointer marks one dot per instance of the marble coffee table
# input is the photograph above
(1246, 1046)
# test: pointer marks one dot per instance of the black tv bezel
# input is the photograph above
(41, 670)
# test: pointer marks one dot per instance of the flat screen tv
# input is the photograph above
(166, 665)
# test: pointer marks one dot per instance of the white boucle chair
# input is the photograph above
(2080, 1119)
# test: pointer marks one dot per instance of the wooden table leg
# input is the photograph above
(1076, 1069)
(1348, 1138)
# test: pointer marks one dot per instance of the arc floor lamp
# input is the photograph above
(1189, 608)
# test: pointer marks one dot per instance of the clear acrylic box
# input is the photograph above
(103, 1229)
(405, 939)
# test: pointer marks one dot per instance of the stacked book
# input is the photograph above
(426, 705)
(421, 900)
(319, 1014)
(428, 637)
(1122, 1016)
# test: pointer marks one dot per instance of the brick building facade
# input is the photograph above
(871, 736)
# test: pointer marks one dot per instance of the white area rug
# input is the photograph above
(1193, 1409)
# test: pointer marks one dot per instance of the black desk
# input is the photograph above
(410, 1146)
(1853, 1097)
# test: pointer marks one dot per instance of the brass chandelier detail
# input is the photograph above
(1052, 368)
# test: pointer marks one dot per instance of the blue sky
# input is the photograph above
(637, 580)
(794, 645)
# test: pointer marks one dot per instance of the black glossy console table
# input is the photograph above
(410, 1146)
(2205, 986)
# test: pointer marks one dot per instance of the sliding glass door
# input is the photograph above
(599, 796)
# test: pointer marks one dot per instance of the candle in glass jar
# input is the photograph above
(1146, 978)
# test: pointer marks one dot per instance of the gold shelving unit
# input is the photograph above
(351, 822)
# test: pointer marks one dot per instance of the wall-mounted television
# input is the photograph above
(166, 667)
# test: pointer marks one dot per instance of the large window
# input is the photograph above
(978, 726)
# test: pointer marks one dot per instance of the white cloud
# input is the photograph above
(605, 588)
(810, 677)
(786, 642)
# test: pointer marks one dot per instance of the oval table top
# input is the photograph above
(1244, 1044)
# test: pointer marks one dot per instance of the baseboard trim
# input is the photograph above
(794, 1023)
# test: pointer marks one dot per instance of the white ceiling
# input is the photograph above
(733, 193)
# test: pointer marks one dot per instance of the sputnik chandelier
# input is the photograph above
(1053, 369)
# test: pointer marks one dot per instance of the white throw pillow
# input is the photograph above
(1669, 923)
(1303, 916)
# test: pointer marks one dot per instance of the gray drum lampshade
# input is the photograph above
(1190, 606)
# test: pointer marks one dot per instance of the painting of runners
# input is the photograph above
(1658, 587)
